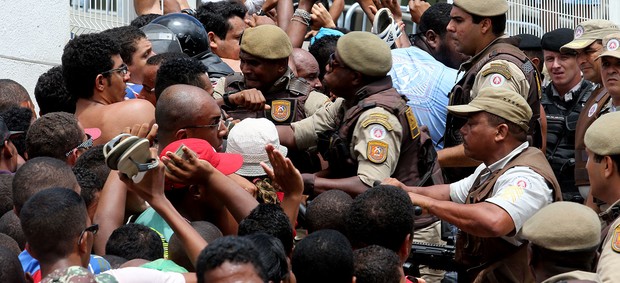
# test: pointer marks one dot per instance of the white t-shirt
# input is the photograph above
(519, 191)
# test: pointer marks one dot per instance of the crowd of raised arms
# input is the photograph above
(255, 141)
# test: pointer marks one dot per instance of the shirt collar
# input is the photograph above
(569, 94)
(502, 162)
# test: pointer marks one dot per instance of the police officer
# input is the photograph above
(497, 62)
(603, 165)
(563, 100)
(490, 206)
(587, 43)
(564, 237)
(264, 63)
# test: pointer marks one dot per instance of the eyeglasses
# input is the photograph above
(92, 228)
(218, 124)
(333, 63)
(12, 135)
(122, 69)
(88, 143)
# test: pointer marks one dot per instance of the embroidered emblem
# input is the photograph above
(377, 132)
(497, 80)
(615, 240)
(592, 110)
(280, 110)
(497, 68)
(511, 193)
(578, 31)
(522, 184)
(612, 45)
(377, 151)
(377, 118)
(413, 123)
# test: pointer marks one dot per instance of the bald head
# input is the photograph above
(181, 106)
(307, 67)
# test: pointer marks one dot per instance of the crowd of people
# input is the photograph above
(217, 145)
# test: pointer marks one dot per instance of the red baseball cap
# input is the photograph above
(227, 163)
(93, 132)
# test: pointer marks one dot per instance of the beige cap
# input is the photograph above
(504, 103)
(365, 52)
(267, 42)
(589, 31)
(603, 135)
(563, 226)
(612, 46)
(487, 8)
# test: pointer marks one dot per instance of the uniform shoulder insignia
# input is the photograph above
(498, 68)
(615, 239)
(413, 123)
(281, 110)
(377, 151)
(378, 118)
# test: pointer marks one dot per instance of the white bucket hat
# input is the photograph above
(249, 138)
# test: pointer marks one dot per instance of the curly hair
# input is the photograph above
(235, 250)
(126, 37)
(18, 119)
(179, 71)
(12, 93)
(214, 16)
(83, 59)
(53, 135)
(144, 20)
(51, 93)
(322, 49)
(134, 241)
(376, 264)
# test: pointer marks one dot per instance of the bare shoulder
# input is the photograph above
(133, 111)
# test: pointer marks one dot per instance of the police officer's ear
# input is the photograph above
(358, 79)
(486, 26)
(501, 132)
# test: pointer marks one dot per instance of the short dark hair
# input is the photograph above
(272, 255)
(115, 261)
(383, 215)
(52, 220)
(376, 264)
(329, 211)
(144, 20)
(53, 135)
(126, 37)
(498, 23)
(18, 119)
(270, 219)
(90, 184)
(38, 174)
(132, 241)
(158, 59)
(6, 193)
(322, 49)
(12, 93)
(615, 158)
(179, 71)
(9, 225)
(10, 267)
(236, 250)
(93, 160)
(214, 16)
(52, 94)
(83, 59)
(565, 261)
(436, 18)
(176, 251)
(6, 242)
(517, 132)
(323, 256)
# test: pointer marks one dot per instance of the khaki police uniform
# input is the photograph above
(609, 260)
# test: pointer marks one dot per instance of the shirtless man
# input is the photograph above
(96, 75)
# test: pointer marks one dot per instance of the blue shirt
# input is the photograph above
(427, 83)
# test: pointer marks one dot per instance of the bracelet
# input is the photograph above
(305, 15)
(227, 103)
(297, 19)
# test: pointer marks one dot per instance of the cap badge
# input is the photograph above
(612, 44)
(578, 31)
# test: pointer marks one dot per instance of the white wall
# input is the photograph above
(32, 36)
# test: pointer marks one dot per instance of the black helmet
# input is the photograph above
(190, 32)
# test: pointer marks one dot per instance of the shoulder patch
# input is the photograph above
(413, 123)
(497, 68)
(511, 193)
(280, 110)
(378, 118)
(497, 80)
(377, 132)
(615, 240)
(377, 151)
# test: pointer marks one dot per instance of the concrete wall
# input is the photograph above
(32, 36)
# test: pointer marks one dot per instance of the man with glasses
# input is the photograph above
(95, 74)
(588, 45)
(563, 100)
(10, 156)
(59, 135)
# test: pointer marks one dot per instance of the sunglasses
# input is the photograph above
(88, 143)
(92, 228)
(122, 70)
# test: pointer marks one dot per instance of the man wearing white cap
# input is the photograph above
(490, 206)
(497, 62)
